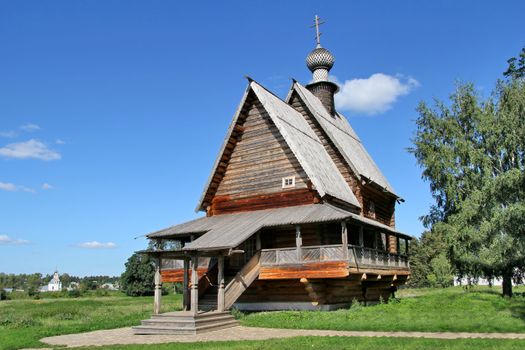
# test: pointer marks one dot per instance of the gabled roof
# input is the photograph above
(303, 142)
(344, 137)
(230, 230)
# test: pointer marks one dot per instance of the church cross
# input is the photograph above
(317, 33)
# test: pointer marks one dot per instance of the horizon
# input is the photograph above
(112, 115)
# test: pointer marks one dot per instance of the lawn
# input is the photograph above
(432, 310)
(336, 343)
(24, 322)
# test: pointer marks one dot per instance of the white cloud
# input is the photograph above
(6, 186)
(46, 186)
(30, 127)
(6, 240)
(10, 187)
(60, 142)
(97, 245)
(9, 134)
(372, 95)
(29, 149)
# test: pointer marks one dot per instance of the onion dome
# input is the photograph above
(320, 58)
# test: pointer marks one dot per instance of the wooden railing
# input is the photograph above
(355, 254)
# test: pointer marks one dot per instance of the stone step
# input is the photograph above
(157, 329)
(188, 315)
(173, 322)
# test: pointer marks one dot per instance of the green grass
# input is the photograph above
(24, 322)
(432, 310)
(335, 343)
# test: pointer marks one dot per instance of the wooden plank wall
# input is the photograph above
(320, 291)
(258, 160)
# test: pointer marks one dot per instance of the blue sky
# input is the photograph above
(111, 112)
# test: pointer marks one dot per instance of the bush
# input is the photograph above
(3, 294)
(442, 272)
(74, 293)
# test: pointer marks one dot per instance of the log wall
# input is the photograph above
(256, 160)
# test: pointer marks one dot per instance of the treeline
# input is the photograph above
(33, 282)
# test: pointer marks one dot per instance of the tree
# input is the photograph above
(473, 154)
(428, 261)
(138, 278)
(516, 68)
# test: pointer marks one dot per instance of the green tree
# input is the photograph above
(516, 68)
(424, 251)
(138, 278)
(442, 272)
(473, 154)
(3, 294)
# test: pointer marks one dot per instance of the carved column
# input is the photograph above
(185, 286)
(298, 243)
(220, 281)
(344, 239)
(158, 290)
(194, 285)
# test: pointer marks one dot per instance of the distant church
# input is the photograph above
(54, 285)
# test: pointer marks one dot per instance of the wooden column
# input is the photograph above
(298, 243)
(185, 286)
(220, 281)
(258, 241)
(158, 290)
(344, 239)
(361, 239)
(194, 285)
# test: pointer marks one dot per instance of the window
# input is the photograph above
(372, 209)
(289, 182)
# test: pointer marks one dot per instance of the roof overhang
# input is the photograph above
(227, 231)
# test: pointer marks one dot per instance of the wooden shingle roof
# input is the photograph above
(230, 230)
(344, 137)
(302, 141)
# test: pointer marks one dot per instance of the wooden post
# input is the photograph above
(361, 240)
(344, 239)
(158, 290)
(194, 285)
(220, 280)
(258, 241)
(298, 243)
(185, 285)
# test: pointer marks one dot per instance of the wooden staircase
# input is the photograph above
(185, 322)
(206, 320)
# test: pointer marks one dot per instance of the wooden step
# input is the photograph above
(173, 322)
(186, 323)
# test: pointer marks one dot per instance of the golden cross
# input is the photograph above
(317, 33)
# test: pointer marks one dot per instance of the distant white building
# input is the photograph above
(73, 286)
(110, 286)
(54, 285)
(480, 281)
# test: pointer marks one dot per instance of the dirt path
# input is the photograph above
(125, 336)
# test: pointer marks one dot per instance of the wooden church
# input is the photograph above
(297, 216)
